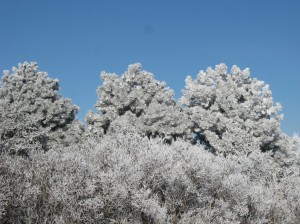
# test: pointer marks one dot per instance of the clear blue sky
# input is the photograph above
(74, 40)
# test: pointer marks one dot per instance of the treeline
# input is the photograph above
(217, 155)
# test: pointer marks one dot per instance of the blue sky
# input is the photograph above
(75, 40)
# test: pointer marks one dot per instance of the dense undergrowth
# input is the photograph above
(125, 178)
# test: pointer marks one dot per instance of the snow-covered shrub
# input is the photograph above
(33, 114)
(4, 197)
(126, 178)
(144, 102)
(235, 112)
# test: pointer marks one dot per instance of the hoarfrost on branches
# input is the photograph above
(137, 97)
(235, 112)
(33, 115)
(227, 113)
(128, 175)
(126, 178)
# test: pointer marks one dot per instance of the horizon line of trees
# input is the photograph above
(229, 113)
(216, 156)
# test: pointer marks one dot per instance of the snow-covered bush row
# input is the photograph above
(125, 178)
(32, 114)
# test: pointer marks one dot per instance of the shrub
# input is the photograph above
(125, 178)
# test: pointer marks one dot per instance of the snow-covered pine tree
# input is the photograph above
(235, 112)
(33, 114)
(145, 103)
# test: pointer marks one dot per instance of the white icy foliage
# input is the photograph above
(235, 112)
(296, 141)
(33, 114)
(125, 178)
(138, 98)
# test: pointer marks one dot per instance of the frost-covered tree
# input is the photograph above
(235, 112)
(33, 114)
(142, 101)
